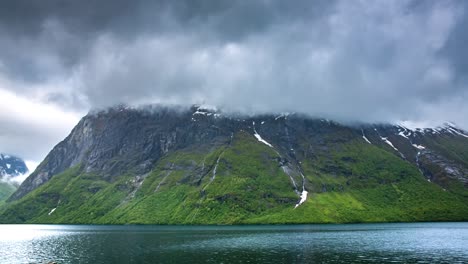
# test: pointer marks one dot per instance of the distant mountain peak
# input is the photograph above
(12, 166)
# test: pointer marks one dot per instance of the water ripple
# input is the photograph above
(366, 243)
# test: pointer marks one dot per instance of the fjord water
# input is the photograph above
(352, 243)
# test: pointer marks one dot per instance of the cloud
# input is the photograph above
(346, 60)
(367, 61)
(28, 128)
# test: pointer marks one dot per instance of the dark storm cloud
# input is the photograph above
(455, 50)
(66, 30)
(346, 60)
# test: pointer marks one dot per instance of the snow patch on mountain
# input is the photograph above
(303, 198)
(206, 110)
(364, 137)
(304, 192)
(259, 138)
(457, 132)
(53, 210)
(283, 115)
(402, 133)
(389, 143)
(418, 146)
(434, 129)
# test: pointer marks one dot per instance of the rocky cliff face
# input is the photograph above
(122, 139)
(200, 144)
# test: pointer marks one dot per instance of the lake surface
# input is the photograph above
(354, 243)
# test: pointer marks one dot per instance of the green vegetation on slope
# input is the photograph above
(6, 190)
(242, 182)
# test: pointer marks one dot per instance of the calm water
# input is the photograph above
(360, 243)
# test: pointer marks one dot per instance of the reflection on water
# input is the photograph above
(360, 243)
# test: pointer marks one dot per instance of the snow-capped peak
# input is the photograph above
(423, 128)
(415, 126)
(12, 168)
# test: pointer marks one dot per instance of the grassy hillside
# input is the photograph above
(5, 191)
(243, 182)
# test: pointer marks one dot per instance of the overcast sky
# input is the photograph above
(346, 60)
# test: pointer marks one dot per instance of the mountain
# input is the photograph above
(162, 165)
(10, 168)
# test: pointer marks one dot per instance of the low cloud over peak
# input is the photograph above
(369, 61)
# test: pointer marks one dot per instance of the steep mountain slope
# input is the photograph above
(198, 166)
(10, 168)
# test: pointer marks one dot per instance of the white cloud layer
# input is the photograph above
(29, 129)
(365, 61)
